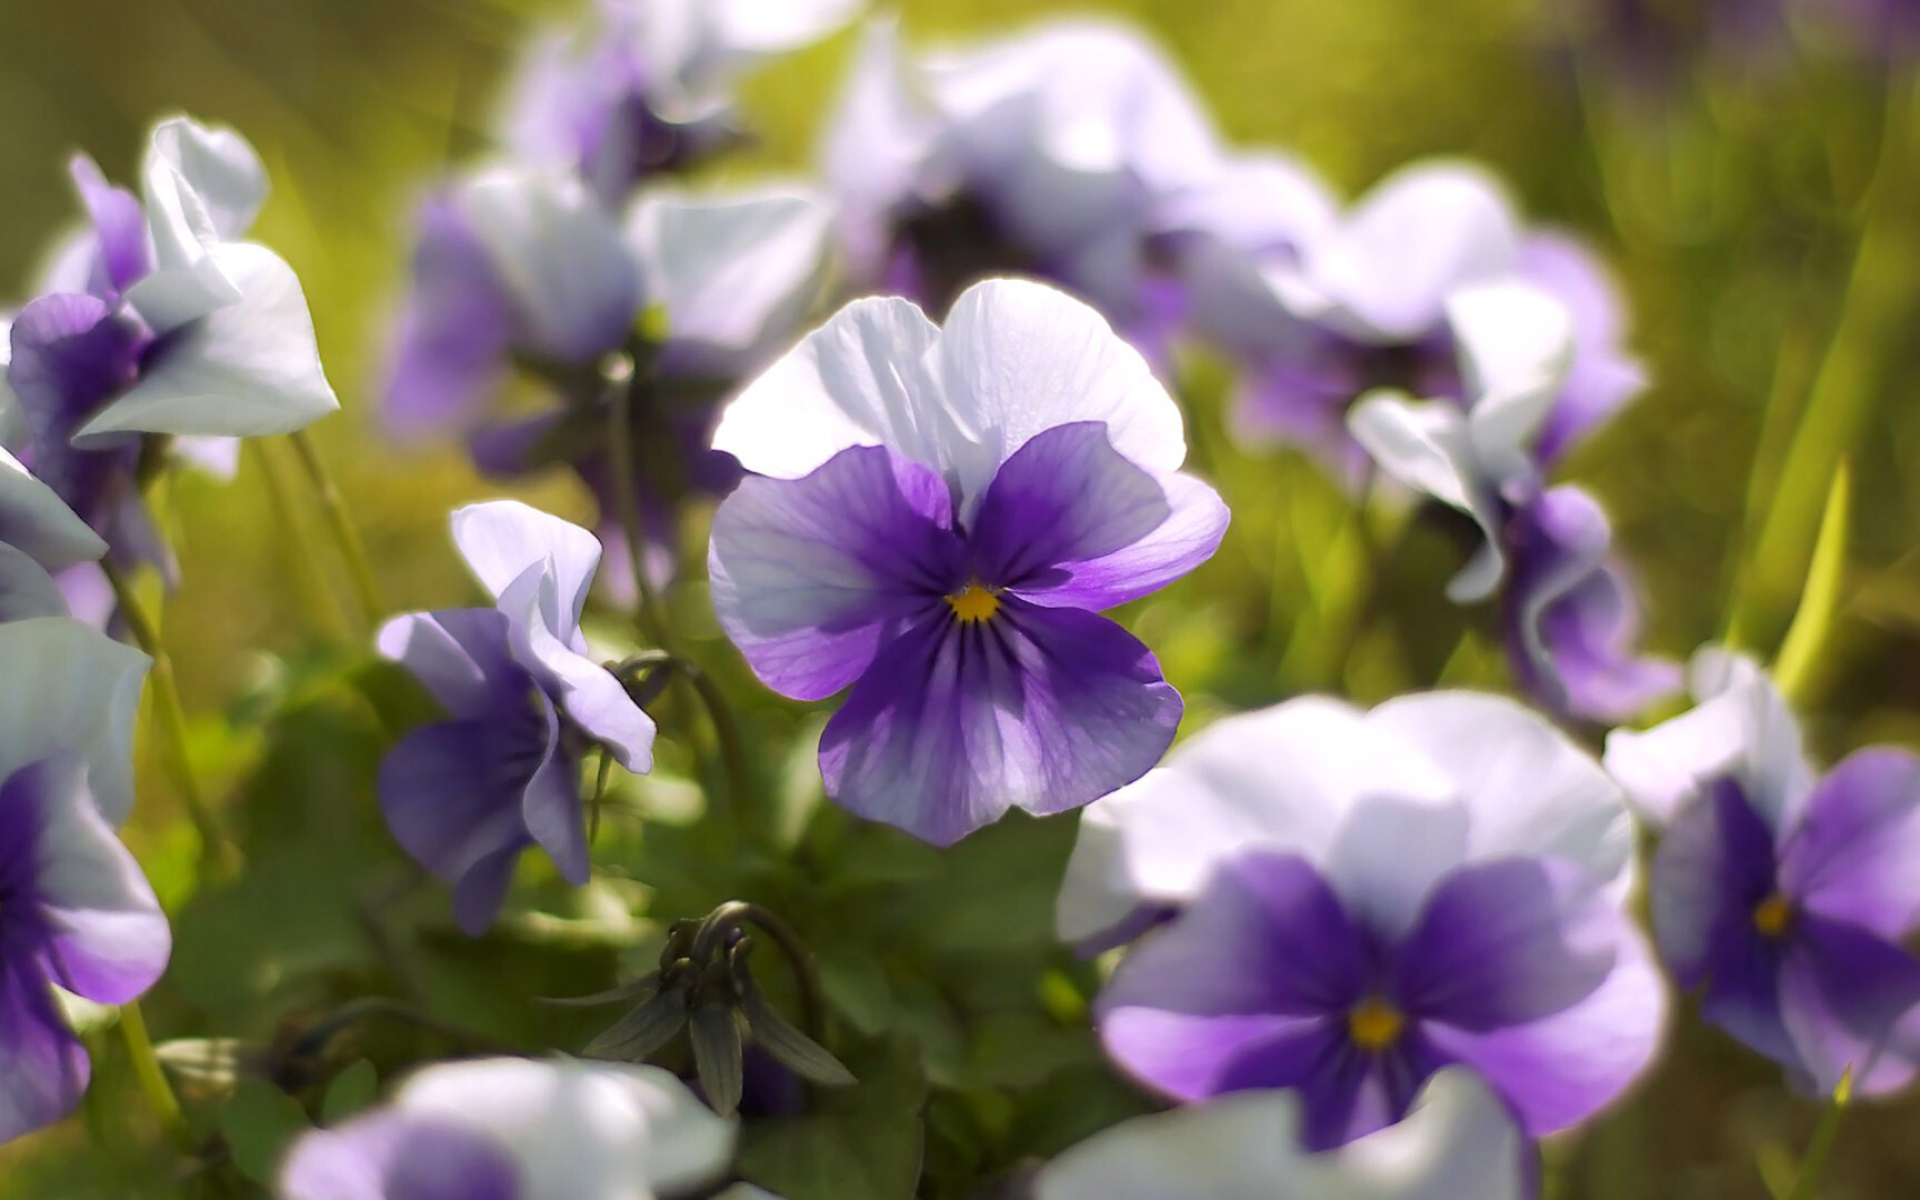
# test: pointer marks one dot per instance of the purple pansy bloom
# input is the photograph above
(1458, 1142)
(1045, 154)
(517, 1129)
(1322, 307)
(935, 518)
(158, 319)
(1567, 608)
(1360, 899)
(649, 89)
(466, 795)
(1788, 899)
(75, 911)
(528, 268)
(39, 535)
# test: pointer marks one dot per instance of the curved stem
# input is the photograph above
(171, 717)
(707, 942)
(359, 570)
(626, 496)
(152, 1077)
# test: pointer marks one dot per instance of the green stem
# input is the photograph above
(365, 586)
(171, 717)
(626, 496)
(152, 1078)
(319, 601)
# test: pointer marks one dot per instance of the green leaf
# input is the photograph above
(1795, 668)
(258, 1123)
(858, 1143)
(351, 1090)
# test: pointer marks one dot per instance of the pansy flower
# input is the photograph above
(1343, 903)
(39, 535)
(75, 912)
(1045, 154)
(524, 701)
(519, 1129)
(1568, 610)
(935, 518)
(648, 88)
(1787, 899)
(1458, 1142)
(1323, 306)
(158, 319)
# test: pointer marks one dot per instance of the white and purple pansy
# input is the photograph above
(933, 520)
(524, 701)
(39, 535)
(1045, 154)
(1788, 899)
(1457, 1142)
(76, 914)
(1568, 610)
(519, 1129)
(1344, 903)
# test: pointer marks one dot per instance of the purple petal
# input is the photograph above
(393, 1156)
(1852, 858)
(449, 354)
(1848, 998)
(812, 577)
(1563, 1069)
(1602, 376)
(461, 655)
(1037, 708)
(43, 1068)
(1571, 619)
(1349, 1092)
(1714, 866)
(1068, 522)
(1509, 942)
(71, 355)
(119, 228)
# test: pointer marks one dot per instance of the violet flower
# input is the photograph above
(1322, 307)
(1457, 1142)
(648, 88)
(518, 1129)
(38, 535)
(1350, 902)
(1568, 611)
(935, 518)
(158, 320)
(75, 911)
(466, 795)
(1788, 900)
(1045, 154)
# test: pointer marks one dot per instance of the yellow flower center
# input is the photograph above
(974, 603)
(1772, 915)
(1374, 1025)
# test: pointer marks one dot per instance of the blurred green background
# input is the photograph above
(1731, 198)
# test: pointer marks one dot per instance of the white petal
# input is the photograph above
(770, 26)
(1458, 1143)
(1416, 238)
(1428, 446)
(218, 166)
(1515, 344)
(1283, 777)
(26, 590)
(1018, 357)
(70, 688)
(877, 139)
(247, 369)
(38, 522)
(502, 539)
(1741, 728)
(1527, 788)
(584, 1131)
(731, 269)
(859, 380)
(13, 418)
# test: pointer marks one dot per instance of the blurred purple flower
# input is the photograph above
(935, 518)
(157, 319)
(648, 89)
(466, 795)
(1361, 899)
(1046, 154)
(39, 535)
(1321, 307)
(1458, 1142)
(516, 1129)
(1569, 615)
(75, 911)
(1788, 900)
